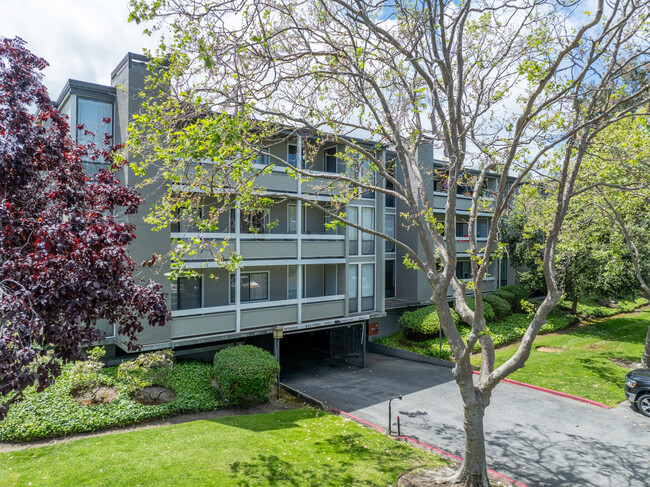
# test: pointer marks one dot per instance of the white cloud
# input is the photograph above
(80, 39)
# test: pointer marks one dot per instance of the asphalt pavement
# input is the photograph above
(533, 437)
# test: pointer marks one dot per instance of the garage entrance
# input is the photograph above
(317, 350)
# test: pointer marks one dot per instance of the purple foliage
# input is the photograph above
(63, 258)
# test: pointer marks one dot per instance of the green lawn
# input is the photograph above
(301, 447)
(584, 366)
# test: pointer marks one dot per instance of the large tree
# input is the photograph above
(63, 249)
(498, 86)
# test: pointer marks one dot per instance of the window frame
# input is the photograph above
(231, 298)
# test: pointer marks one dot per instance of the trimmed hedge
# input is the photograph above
(422, 323)
(245, 374)
(508, 296)
(488, 312)
(520, 292)
(500, 306)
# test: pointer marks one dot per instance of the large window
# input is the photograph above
(331, 162)
(353, 289)
(292, 218)
(186, 293)
(367, 239)
(353, 233)
(482, 227)
(292, 156)
(390, 231)
(390, 279)
(96, 116)
(263, 157)
(504, 271)
(292, 282)
(464, 269)
(250, 222)
(365, 286)
(254, 286)
(462, 229)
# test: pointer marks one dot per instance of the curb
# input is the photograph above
(413, 441)
(406, 355)
(555, 393)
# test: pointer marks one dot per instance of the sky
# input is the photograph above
(80, 39)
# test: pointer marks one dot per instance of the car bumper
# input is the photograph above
(631, 396)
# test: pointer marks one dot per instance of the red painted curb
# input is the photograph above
(419, 443)
(555, 393)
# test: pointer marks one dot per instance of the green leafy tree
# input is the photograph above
(498, 86)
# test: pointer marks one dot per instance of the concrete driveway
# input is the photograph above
(536, 438)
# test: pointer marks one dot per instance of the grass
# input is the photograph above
(504, 331)
(54, 412)
(300, 447)
(588, 306)
(583, 366)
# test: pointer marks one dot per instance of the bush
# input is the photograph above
(487, 309)
(508, 296)
(522, 293)
(500, 306)
(422, 323)
(86, 374)
(245, 374)
(149, 369)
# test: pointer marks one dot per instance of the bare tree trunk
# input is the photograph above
(574, 305)
(473, 471)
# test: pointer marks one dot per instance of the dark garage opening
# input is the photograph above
(314, 351)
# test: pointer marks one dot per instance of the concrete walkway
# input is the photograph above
(536, 438)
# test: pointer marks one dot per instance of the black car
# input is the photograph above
(637, 389)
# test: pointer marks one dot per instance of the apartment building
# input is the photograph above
(301, 284)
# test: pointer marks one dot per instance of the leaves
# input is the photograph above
(63, 259)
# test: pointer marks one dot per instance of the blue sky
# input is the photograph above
(81, 39)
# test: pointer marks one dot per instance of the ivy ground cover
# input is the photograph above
(54, 412)
(300, 447)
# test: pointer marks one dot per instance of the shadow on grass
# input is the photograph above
(335, 461)
(604, 368)
(630, 328)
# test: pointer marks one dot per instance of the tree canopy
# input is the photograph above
(498, 87)
(63, 249)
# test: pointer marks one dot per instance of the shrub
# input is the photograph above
(87, 374)
(422, 323)
(148, 369)
(522, 293)
(508, 296)
(245, 374)
(487, 309)
(500, 306)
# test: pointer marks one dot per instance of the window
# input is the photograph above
(353, 233)
(187, 220)
(390, 279)
(367, 287)
(353, 302)
(96, 116)
(390, 231)
(390, 199)
(292, 156)
(482, 227)
(292, 282)
(462, 230)
(367, 239)
(331, 161)
(504, 272)
(368, 176)
(254, 286)
(186, 293)
(292, 218)
(263, 157)
(250, 222)
(330, 279)
(440, 184)
(464, 269)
